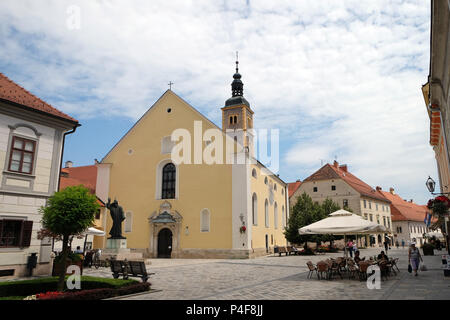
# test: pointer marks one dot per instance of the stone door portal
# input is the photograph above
(164, 243)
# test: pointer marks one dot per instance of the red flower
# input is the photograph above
(243, 228)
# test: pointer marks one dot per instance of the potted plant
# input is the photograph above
(428, 249)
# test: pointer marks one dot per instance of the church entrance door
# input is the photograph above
(164, 243)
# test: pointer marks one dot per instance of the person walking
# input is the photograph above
(403, 243)
(350, 247)
(386, 244)
(396, 243)
(414, 257)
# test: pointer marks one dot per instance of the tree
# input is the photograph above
(68, 213)
(305, 212)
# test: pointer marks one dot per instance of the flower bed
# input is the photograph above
(35, 286)
(92, 294)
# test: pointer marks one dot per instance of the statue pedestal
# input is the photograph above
(117, 249)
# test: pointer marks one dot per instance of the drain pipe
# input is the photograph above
(62, 151)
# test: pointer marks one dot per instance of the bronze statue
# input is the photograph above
(117, 216)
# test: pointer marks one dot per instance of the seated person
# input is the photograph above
(357, 258)
(383, 256)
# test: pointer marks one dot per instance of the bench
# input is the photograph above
(280, 250)
(129, 269)
(291, 249)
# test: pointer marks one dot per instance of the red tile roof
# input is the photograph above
(13, 92)
(340, 172)
(75, 176)
(85, 175)
(292, 187)
(402, 210)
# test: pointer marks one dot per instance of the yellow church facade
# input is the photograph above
(203, 206)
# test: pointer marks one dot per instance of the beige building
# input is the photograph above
(31, 143)
(436, 92)
(337, 183)
(203, 206)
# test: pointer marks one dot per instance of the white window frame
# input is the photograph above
(202, 216)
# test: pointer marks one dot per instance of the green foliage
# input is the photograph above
(30, 287)
(74, 257)
(305, 212)
(70, 211)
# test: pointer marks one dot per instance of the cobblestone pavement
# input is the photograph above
(283, 278)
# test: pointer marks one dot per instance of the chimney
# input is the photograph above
(343, 167)
(391, 190)
(378, 188)
(335, 164)
(68, 164)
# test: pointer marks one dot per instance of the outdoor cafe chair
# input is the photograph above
(352, 270)
(334, 269)
(394, 264)
(311, 268)
(322, 267)
(363, 270)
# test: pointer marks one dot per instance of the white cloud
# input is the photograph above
(338, 78)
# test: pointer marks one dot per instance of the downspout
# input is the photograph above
(60, 164)
(62, 151)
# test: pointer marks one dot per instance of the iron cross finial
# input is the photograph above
(170, 85)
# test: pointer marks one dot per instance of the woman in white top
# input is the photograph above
(414, 256)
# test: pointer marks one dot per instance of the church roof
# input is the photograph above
(12, 92)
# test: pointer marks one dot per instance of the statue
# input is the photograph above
(117, 218)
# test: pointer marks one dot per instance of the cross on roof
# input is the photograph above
(170, 85)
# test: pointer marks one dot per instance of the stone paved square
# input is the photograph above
(283, 278)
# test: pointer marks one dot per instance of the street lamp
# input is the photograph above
(430, 184)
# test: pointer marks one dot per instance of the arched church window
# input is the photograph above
(275, 215)
(255, 209)
(266, 211)
(168, 181)
(205, 218)
(235, 119)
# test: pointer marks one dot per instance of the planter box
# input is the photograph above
(56, 267)
(428, 251)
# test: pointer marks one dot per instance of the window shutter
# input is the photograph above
(27, 228)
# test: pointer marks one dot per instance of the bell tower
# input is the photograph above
(237, 116)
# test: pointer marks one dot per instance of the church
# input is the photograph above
(181, 195)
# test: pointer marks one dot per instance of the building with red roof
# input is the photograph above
(337, 183)
(32, 134)
(407, 218)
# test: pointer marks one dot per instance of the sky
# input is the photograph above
(341, 80)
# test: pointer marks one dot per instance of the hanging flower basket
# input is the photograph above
(243, 229)
(439, 205)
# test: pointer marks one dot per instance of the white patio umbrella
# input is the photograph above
(344, 223)
(434, 234)
(92, 231)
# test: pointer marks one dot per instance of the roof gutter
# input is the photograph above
(62, 151)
